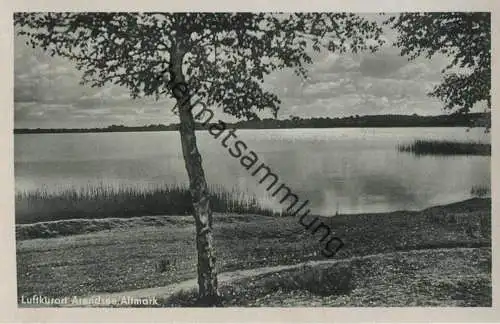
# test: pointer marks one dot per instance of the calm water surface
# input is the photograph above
(353, 170)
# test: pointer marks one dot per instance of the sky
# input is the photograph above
(47, 93)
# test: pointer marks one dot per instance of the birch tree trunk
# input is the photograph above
(207, 274)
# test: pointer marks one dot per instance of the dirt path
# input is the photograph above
(224, 279)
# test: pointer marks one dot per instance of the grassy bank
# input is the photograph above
(435, 147)
(68, 227)
(95, 202)
(437, 277)
(130, 257)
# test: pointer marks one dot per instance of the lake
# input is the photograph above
(349, 170)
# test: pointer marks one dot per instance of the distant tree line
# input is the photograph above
(453, 120)
(109, 129)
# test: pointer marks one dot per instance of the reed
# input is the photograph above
(443, 147)
(102, 201)
(480, 191)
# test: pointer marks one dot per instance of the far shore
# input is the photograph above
(366, 121)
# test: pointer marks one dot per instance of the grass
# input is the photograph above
(93, 202)
(158, 251)
(419, 278)
(443, 147)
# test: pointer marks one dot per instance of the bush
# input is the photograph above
(322, 281)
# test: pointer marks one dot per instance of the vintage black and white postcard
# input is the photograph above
(258, 158)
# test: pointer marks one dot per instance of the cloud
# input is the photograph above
(47, 92)
(362, 84)
(381, 65)
(419, 70)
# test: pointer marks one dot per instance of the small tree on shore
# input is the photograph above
(463, 36)
(220, 57)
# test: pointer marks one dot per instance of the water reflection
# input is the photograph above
(345, 170)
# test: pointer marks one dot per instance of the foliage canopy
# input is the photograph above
(463, 36)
